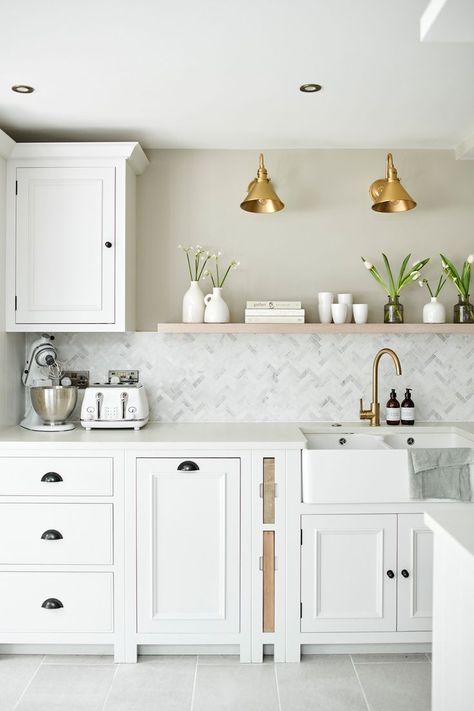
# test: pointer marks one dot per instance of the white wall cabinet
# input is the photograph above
(365, 573)
(70, 236)
(188, 546)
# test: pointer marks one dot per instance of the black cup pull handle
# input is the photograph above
(390, 574)
(51, 535)
(188, 466)
(52, 603)
(51, 477)
(405, 573)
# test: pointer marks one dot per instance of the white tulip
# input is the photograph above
(470, 259)
(367, 264)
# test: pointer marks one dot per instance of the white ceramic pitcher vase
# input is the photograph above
(217, 310)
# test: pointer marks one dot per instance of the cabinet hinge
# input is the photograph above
(16, 303)
(301, 610)
(16, 187)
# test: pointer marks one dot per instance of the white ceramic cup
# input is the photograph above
(361, 312)
(325, 299)
(339, 312)
(347, 300)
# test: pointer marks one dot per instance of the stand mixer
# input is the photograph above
(42, 370)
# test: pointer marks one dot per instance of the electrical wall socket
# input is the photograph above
(79, 378)
(124, 376)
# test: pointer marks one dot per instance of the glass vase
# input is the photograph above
(463, 310)
(393, 310)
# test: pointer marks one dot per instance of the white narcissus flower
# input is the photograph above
(470, 259)
(367, 264)
(444, 265)
(421, 282)
(415, 276)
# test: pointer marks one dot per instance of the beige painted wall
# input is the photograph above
(12, 346)
(315, 244)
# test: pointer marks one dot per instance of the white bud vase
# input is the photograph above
(193, 304)
(217, 310)
(434, 312)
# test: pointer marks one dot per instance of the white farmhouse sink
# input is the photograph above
(348, 467)
(427, 440)
(344, 441)
(361, 469)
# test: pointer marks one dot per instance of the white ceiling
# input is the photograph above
(225, 74)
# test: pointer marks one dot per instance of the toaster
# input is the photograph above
(114, 406)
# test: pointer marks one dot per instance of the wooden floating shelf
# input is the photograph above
(305, 328)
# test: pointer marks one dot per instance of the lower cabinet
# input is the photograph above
(56, 602)
(365, 572)
(188, 545)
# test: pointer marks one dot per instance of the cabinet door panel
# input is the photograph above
(344, 585)
(189, 547)
(64, 272)
(415, 556)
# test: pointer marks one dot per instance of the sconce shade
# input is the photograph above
(261, 197)
(388, 194)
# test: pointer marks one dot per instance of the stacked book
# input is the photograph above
(274, 312)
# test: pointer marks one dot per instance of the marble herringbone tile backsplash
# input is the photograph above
(223, 378)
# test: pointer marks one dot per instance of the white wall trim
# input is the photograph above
(7, 145)
(127, 150)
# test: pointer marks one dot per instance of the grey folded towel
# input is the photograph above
(441, 473)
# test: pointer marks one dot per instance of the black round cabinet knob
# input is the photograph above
(405, 573)
(390, 574)
(108, 245)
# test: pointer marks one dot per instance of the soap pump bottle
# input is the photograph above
(408, 409)
(393, 410)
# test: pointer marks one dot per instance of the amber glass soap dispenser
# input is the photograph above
(393, 410)
(408, 409)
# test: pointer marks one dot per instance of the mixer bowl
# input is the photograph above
(53, 403)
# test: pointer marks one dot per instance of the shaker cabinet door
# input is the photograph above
(65, 245)
(415, 573)
(348, 573)
(188, 544)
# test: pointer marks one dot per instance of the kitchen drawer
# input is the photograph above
(56, 476)
(81, 602)
(86, 530)
(167, 465)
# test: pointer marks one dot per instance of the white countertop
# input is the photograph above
(455, 523)
(161, 436)
(206, 435)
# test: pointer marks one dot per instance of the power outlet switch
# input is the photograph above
(127, 377)
(79, 378)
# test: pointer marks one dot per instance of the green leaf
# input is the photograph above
(452, 273)
(389, 274)
(466, 276)
(402, 269)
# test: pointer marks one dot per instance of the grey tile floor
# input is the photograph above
(363, 682)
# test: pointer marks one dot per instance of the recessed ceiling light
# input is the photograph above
(310, 88)
(22, 89)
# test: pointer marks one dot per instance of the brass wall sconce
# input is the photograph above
(388, 194)
(260, 195)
